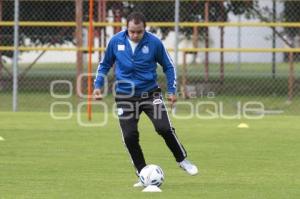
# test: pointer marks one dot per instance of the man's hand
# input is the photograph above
(97, 94)
(171, 99)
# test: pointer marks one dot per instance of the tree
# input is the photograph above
(38, 11)
(156, 11)
(289, 14)
(291, 9)
(190, 11)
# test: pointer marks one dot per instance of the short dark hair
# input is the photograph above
(136, 17)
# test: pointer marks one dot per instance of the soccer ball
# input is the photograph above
(152, 175)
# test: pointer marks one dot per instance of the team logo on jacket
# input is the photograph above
(145, 49)
(121, 47)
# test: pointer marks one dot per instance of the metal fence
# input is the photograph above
(226, 51)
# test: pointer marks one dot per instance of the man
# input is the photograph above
(135, 53)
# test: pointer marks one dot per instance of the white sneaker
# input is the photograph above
(188, 167)
(138, 184)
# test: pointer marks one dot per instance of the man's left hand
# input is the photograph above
(172, 99)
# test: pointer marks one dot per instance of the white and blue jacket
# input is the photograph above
(136, 72)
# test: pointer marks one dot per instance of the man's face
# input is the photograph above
(135, 31)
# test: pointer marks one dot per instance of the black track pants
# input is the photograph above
(129, 110)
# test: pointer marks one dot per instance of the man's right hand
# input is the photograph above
(97, 94)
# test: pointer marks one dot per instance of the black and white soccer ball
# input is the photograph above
(152, 175)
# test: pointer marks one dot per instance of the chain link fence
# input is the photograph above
(230, 52)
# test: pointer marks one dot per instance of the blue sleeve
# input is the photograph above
(164, 59)
(104, 65)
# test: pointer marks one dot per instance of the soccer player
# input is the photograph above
(135, 53)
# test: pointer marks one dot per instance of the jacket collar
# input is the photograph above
(143, 40)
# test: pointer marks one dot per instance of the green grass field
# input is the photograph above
(45, 158)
